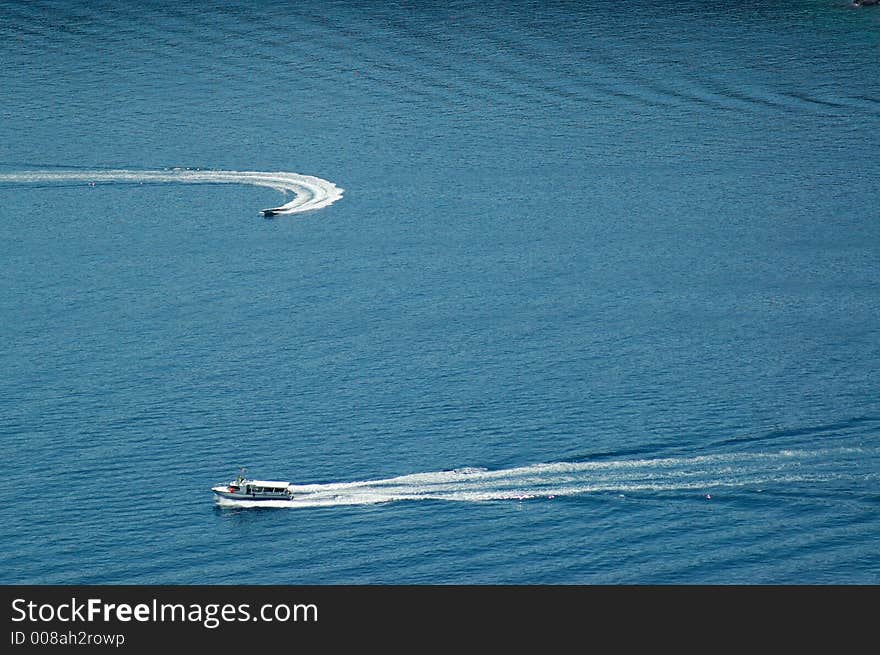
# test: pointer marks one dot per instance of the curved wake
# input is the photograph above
(309, 192)
(691, 474)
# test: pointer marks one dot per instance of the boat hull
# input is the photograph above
(223, 492)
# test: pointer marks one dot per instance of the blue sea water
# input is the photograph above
(600, 302)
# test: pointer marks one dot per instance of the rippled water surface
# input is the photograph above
(584, 292)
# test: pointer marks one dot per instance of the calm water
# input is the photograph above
(600, 302)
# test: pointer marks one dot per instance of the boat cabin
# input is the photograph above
(260, 487)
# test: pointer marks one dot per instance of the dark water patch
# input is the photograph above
(814, 100)
(841, 430)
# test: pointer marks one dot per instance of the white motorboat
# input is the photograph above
(243, 488)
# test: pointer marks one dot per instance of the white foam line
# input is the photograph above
(705, 472)
(309, 192)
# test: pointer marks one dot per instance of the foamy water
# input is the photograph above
(551, 480)
(309, 192)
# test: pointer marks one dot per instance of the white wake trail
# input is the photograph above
(309, 192)
(697, 474)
